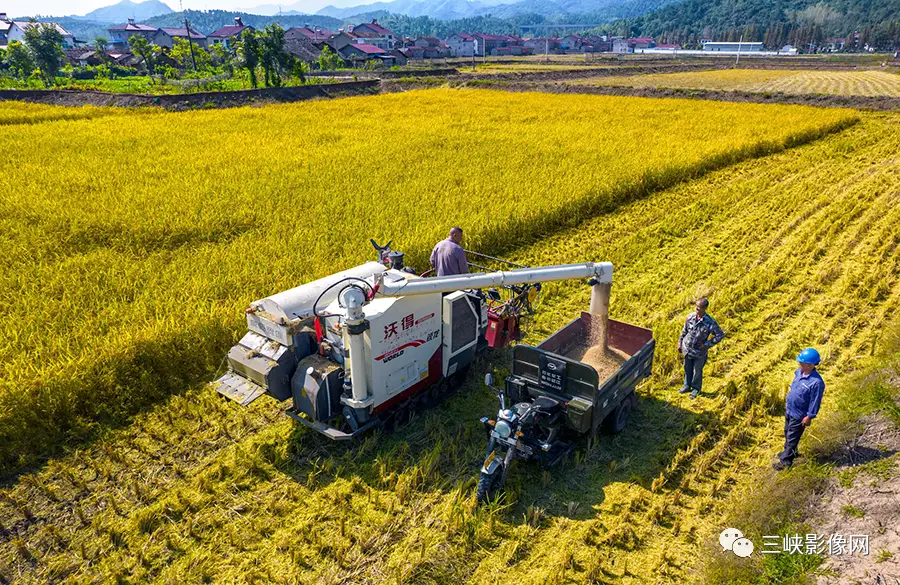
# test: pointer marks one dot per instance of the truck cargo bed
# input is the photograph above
(555, 368)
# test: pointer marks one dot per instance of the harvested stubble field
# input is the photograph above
(197, 490)
(845, 83)
(132, 256)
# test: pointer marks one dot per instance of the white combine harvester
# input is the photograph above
(362, 347)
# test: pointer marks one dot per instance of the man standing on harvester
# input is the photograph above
(801, 405)
(448, 257)
(700, 332)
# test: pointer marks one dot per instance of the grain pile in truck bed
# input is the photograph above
(595, 351)
(605, 362)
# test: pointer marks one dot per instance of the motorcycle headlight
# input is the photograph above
(503, 429)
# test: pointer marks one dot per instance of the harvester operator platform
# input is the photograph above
(448, 257)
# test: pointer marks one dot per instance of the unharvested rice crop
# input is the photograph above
(850, 83)
(794, 249)
(26, 113)
(131, 244)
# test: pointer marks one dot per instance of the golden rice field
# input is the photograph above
(849, 83)
(12, 113)
(794, 248)
(131, 244)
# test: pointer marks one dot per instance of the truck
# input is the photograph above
(552, 397)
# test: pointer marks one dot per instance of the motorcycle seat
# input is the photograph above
(546, 404)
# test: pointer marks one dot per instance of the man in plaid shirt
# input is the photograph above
(700, 332)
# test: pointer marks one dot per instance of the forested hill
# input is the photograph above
(212, 20)
(504, 20)
(775, 22)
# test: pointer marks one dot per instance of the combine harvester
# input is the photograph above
(364, 347)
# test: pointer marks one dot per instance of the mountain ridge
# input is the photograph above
(125, 9)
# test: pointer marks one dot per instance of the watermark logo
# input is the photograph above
(742, 547)
(834, 545)
(733, 540)
(728, 537)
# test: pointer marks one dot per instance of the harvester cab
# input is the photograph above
(364, 347)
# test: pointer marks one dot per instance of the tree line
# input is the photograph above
(258, 54)
(773, 23)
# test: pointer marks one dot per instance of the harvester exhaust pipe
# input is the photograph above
(600, 312)
(353, 298)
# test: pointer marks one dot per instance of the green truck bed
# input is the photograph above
(549, 371)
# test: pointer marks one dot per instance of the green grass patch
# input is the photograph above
(854, 511)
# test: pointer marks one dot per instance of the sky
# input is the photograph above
(68, 7)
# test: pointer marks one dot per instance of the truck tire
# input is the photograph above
(488, 487)
(616, 421)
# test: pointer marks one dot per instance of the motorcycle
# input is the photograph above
(528, 431)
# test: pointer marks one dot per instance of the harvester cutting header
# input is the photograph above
(361, 347)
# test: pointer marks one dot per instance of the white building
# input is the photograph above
(17, 30)
(4, 29)
(461, 45)
(734, 47)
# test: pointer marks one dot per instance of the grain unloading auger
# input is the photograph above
(359, 348)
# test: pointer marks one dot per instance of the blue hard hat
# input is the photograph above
(809, 356)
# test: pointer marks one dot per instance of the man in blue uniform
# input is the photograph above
(700, 332)
(801, 405)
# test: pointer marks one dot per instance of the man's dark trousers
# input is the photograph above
(693, 372)
(793, 430)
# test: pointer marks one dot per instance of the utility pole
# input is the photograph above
(740, 44)
(187, 28)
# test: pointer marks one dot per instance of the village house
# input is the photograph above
(596, 44)
(165, 37)
(227, 35)
(358, 53)
(341, 39)
(485, 43)
(511, 50)
(433, 48)
(4, 29)
(571, 43)
(17, 28)
(81, 57)
(399, 58)
(461, 45)
(375, 34)
(316, 35)
(303, 49)
(543, 45)
(121, 33)
(638, 43)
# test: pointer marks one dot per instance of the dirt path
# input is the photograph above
(865, 502)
